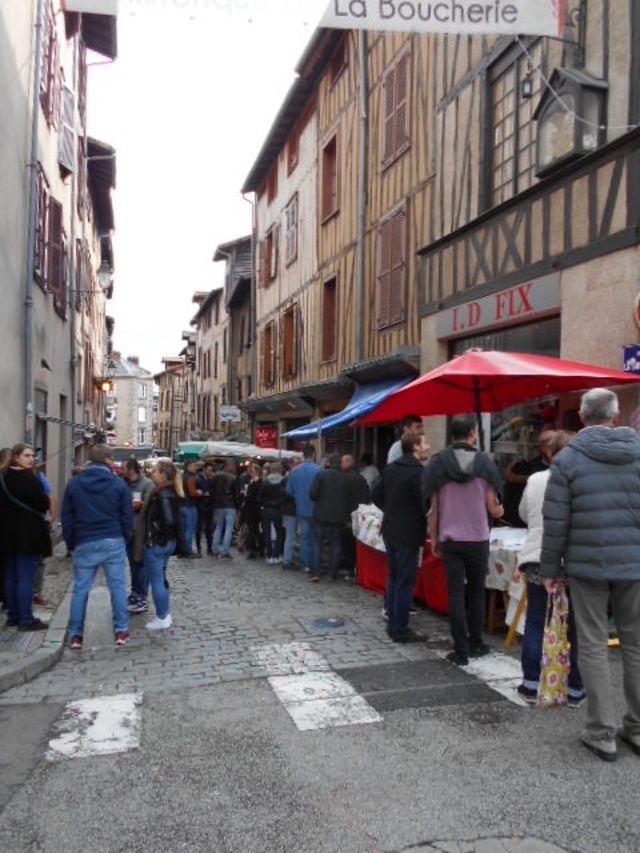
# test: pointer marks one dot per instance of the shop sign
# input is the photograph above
(267, 437)
(523, 303)
(229, 414)
(631, 358)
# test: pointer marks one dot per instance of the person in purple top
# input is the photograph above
(464, 486)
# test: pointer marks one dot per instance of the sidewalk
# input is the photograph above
(23, 656)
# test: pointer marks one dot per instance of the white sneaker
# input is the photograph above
(158, 624)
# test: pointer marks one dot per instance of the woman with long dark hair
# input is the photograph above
(24, 535)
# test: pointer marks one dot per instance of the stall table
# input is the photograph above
(431, 588)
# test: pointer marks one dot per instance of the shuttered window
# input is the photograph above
(291, 230)
(329, 317)
(339, 60)
(40, 263)
(329, 178)
(50, 69)
(392, 264)
(289, 340)
(272, 183)
(57, 258)
(396, 89)
(268, 348)
(65, 139)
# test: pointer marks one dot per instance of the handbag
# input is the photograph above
(554, 668)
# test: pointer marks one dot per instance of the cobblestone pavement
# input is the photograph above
(221, 611)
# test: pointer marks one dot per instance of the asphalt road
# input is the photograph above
(227, 754)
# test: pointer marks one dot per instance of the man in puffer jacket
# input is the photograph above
(331, 493)
(591, 518)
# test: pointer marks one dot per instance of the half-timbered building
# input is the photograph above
(534, 211)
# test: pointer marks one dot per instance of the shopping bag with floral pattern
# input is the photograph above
(554, 669)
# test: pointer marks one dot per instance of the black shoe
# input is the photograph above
(408, 636)
(529, 695)
(479, 651)
(11, 623)
(34, 625)
(457, 658)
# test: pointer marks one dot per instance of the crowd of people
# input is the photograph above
(580, 502)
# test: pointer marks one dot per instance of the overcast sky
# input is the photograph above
(187, 105)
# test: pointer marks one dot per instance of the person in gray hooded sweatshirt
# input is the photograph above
(591, 515)
(463, 484)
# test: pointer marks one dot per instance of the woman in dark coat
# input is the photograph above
(24, 535)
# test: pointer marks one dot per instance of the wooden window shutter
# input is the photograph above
(329, 296)
(41, 235)
(384, 273)
(291, 231)
(289, 342)
(401, 130)
(262, 263)
(78, 280)
(398, 266)
(388, 115)
(273, 260)
(65, 139)
(329, 198)
(55, 253)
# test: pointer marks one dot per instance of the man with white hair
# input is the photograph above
(591, 518)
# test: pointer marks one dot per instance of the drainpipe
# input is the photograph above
(31, 233)
(252, 312)
(362, 191)
(72, 259)
(362, 208)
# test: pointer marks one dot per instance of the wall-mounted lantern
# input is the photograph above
(570, 118)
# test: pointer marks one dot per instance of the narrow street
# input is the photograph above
(277, 716)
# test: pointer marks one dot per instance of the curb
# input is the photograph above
(45, 657)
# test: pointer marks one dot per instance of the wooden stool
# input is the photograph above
(516, 619)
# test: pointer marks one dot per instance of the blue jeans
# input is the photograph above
(139, 580)
(20, 573)
(87, 559)
(532, 642)
(290, 524)
(306, 553)
(466, 561)
(402, 565)
(334, 534)
(155, 558)
(189, 520)
(272, 516)
(225, 518)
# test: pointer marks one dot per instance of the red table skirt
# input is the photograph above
(430, 588)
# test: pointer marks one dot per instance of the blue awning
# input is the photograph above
(365, 398)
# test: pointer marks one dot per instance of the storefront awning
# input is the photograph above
(364, 400)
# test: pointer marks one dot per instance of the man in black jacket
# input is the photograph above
(331, 493)
(399, 495)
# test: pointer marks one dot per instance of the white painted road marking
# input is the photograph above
(499, 672)
(101, 726)
(313, 695)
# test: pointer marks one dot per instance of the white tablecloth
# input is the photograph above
(505, 546)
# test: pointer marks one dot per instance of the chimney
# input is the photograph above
(133, 359)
